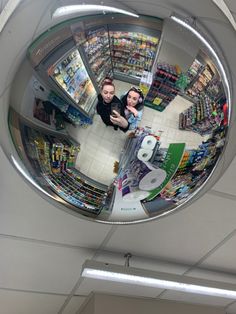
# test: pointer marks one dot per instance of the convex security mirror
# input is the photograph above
(121, 119)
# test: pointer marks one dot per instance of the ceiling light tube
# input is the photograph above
(209, 47)
(130, 275)
(71, 9)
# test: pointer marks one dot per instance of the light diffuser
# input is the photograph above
(130, 275)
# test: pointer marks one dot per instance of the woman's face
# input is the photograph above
(108, 93)
(132, 98)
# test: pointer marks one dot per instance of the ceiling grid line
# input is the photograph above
(80, 280)
(210, 252)
(33, 291)
(199, 262)
(222, 194)
(44, 242)
(228, 305)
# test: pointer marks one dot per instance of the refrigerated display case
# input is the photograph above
(70, 74)
(132, 53)
(97, 51)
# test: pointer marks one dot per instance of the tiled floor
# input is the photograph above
(101, 145)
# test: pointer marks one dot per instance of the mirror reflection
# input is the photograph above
(120, 119)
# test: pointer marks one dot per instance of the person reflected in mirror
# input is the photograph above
(110, 108)
(133, 104)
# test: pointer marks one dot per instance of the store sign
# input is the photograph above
(123, 210)
(170, 165)
(48, 43)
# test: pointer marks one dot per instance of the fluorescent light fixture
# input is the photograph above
(71, 9)
(209, 47)
(135, 276)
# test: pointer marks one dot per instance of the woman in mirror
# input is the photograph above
(110, 108)
(133, 104)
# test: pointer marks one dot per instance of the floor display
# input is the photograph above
(163, 89)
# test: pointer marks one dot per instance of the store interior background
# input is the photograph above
(43, 247)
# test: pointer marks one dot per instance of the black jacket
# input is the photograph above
(104, 110)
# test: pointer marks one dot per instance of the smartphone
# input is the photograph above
(115, 107)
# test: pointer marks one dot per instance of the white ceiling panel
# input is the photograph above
(226, 183)
(43, 268)
(231, 5)
(224, 258)
(15, 302)
(195, 298)
(231, 309)
(74, 305)
(89, 285)
(213, 275)
(184, 236)
(25, 214)
(142, 262)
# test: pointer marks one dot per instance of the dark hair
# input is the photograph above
(107, 81)
(139, 105)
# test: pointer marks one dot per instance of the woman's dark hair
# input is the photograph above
(139, 105)
(107, 81)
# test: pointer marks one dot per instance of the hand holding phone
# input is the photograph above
(115, 109)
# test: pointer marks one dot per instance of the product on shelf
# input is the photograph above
(202, 117)
(200, 82)
(71, 75)
(73, 114)
(97, 49)
(146, 82)
(132, 52)
(163, 89)
(53, 160)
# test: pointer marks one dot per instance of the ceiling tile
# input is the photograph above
(223, 258)
(231, 309)
(231, 5)
(183, 237)
(43, 268)
(141, 262)
(74, 305)
(89, 285)
(227, 182)
(14, 302)
(213, 275)
(24, 213)
(195, 298)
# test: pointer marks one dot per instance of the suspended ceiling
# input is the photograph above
(43, 247)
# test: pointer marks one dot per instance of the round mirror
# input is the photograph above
(117, 118)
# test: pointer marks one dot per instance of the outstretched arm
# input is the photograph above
(119, 120)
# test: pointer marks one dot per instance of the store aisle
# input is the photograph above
(101, 145)
(167, 121)
(100, 148)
